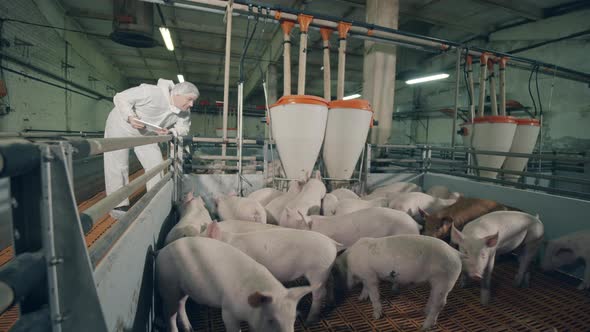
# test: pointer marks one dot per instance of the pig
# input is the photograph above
(265, 195)
(240, 208)
(343, 193)
(392, 190)
(288, 254)
(275, 207)
(568, 250)
(494, 234)
(347, 229)
(240, 226)
(442, 192)
(329, 204)
(402, 259)
(193, 217)
(308, 201)
(216, 274)
(347, 206)
(438, 224)
(412, 202)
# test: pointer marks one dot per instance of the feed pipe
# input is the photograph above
(493, 95)
(343, 29)
(304, 22)
(326, 32)
(502, 61)
(482, 82)
(287, 26)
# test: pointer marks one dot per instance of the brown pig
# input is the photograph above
(438, 224)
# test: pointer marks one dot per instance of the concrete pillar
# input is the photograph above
(379, 68)
(271, 84)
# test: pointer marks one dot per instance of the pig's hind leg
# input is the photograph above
(185, 323)
(231, 323)
(439, 290)
(372, 286)
(532, 242)
(318, 294)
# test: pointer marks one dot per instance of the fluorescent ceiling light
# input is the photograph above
(167, 38)
(354, 96)
(427, 78)
(180, 78)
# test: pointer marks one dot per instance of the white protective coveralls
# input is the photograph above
(150, 103)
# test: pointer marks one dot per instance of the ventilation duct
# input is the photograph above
(133, 23)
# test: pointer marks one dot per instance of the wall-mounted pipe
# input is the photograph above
(326, 32)
(482, 82)
(503, 61)
(343, 29)
(493, 94)
(304, 22)
(287, 26)
(469, 64)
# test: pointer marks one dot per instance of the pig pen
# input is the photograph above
(552, 303)
(125, 280)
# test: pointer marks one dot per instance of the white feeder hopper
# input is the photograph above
(525, 138)
(298, 127)
(492, 133)
(346, 133)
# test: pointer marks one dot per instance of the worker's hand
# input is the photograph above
(134, 123)
(164, 131)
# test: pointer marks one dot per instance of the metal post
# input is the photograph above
(240, 133)
(228, 17)
(457, 80)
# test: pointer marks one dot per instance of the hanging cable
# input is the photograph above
(538, 93)
(530, 91)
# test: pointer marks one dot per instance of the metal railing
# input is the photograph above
(51, 256)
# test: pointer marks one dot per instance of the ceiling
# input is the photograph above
(199, 38)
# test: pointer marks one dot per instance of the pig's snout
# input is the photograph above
(475, 276)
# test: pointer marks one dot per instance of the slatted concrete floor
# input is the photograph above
(552, 303)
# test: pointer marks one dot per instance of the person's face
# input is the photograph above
(184, 102)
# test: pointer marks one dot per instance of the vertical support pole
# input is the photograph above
(343, 29)
(482, 82)
(287, 26)
(493, 94)
(456, 108)
(240, 133)
(503, 62)
(326, 32)
(228, 17)
(304, 21)
(469, 64)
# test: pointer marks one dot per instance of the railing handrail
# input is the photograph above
(93, 146)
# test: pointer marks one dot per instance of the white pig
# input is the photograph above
(392, 190)
(275, 207)
(347, 229)
(265, 195)
(347, 206)
(216, 274)
(194, 217)
(442, 192)
(343, 193)
(568, 250)
(288, 254)
(308, 201)
(402, 259)
(411, 203)
(240, 226)
(329, 204)
(494, 234)
(240, 208)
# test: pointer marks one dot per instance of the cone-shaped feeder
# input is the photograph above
(492, 133)
(524, 141)
(346, 133)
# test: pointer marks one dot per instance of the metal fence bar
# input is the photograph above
(93, 146)
(515, 184)
(228, 141)
(228, 168)
(247, 158)
(94, 213)
(511, 154)
(19, 277)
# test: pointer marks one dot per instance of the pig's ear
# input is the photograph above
(492, 240)
(456, 235)
(296, 293)
(258, 299)
(213, 231)
(423, 213)
(305, 218)
(233, 193)
(289, 211)
(318, 175)
(188, 197)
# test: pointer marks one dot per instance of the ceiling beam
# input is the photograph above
(517, 7)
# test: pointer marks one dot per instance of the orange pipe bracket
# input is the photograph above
(326, 32)
(503, 60)
(287, 26)
(491, 65)
(469, 60)
(484, 58)
(343, 28)
(304, 22)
